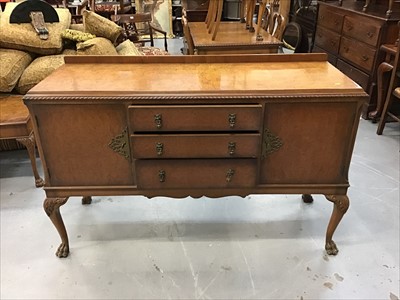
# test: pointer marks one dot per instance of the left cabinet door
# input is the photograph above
(84, 144)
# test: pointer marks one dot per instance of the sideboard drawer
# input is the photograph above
(195, 118)
(358, 53)
(196, 173)
(330, 18)
(327, 40)
(195, 145)
(362, 29)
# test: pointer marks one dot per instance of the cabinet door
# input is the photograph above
(75, 140)
(315, 139)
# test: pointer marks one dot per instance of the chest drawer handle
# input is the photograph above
(349, 27)
(231, 148)
(158, 120)
(232, 120)
(346, 48)
(229, 175)
(333, 43)
(336, 22)
(370, 34)
(161, 175)
(365, 58)
(159, 148)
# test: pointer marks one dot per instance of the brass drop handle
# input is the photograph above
(159, 148)
(336, 22)
(370, 34)
(158, 120)
(346, 48)
(161, 175)
(231, 148)
(349, 27)
(232, 120)
(229, 175)
(365, 58)
(333, 43)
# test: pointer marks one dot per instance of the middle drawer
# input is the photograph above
(195, 145)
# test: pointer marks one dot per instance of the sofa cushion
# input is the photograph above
(38, 70)
(24, 37)
(128, 48)
(96, 46)
(100, 26)
(13, 64)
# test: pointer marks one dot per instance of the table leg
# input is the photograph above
(52, 208)
(29, 143)
(341, 204)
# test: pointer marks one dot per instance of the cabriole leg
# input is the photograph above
(52, 208)
(29, 143)
(341, 204)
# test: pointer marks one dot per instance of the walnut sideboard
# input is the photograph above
(180, 126)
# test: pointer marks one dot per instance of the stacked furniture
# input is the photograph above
(352, 39)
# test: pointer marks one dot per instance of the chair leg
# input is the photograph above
(382, 121)
(218, 19)
(261, 11)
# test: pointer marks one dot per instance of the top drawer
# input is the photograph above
(362, 29)
(330, 18)
(195, 118)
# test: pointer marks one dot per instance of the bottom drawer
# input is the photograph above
(358, 76)
(196, 173)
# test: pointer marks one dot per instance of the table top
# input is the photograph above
(229, 34)
(271, 74)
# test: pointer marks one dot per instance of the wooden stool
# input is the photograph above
(15, 123)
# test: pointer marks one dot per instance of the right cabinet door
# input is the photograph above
(309, 142)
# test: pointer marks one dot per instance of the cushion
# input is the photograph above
(76, 35)
(13, 64)
(38, 70)
(24, 37)
(128, 48)
(96, 46)
(152, 51)
(69, 52)
(79, 27)
(100, 26)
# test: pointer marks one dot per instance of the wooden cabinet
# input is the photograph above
(195, 126)
(352, 39)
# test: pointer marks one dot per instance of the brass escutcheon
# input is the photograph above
(159, 148)
(158, 120)
(161, 175)
(232, 120)
(229, 175)
(231, 148)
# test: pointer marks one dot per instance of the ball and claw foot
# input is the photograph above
(63, 250)
(86, 200)
(331, 248)
(307, 198)
(39, 182)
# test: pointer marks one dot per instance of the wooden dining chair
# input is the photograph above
(138, 28)
(393, 93)
(213, 18)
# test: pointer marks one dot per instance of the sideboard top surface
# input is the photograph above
(258, 75)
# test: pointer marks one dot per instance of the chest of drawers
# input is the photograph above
(352, 39)
(195, 126)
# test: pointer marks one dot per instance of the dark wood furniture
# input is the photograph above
(195, 10)
(231, 125)
(15, 123)
(352, 39)
(393, 91)
(138, 28)
(233, 38)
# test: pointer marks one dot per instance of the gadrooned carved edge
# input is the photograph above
(189, 97)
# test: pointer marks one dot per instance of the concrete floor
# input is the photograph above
(258, 247)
